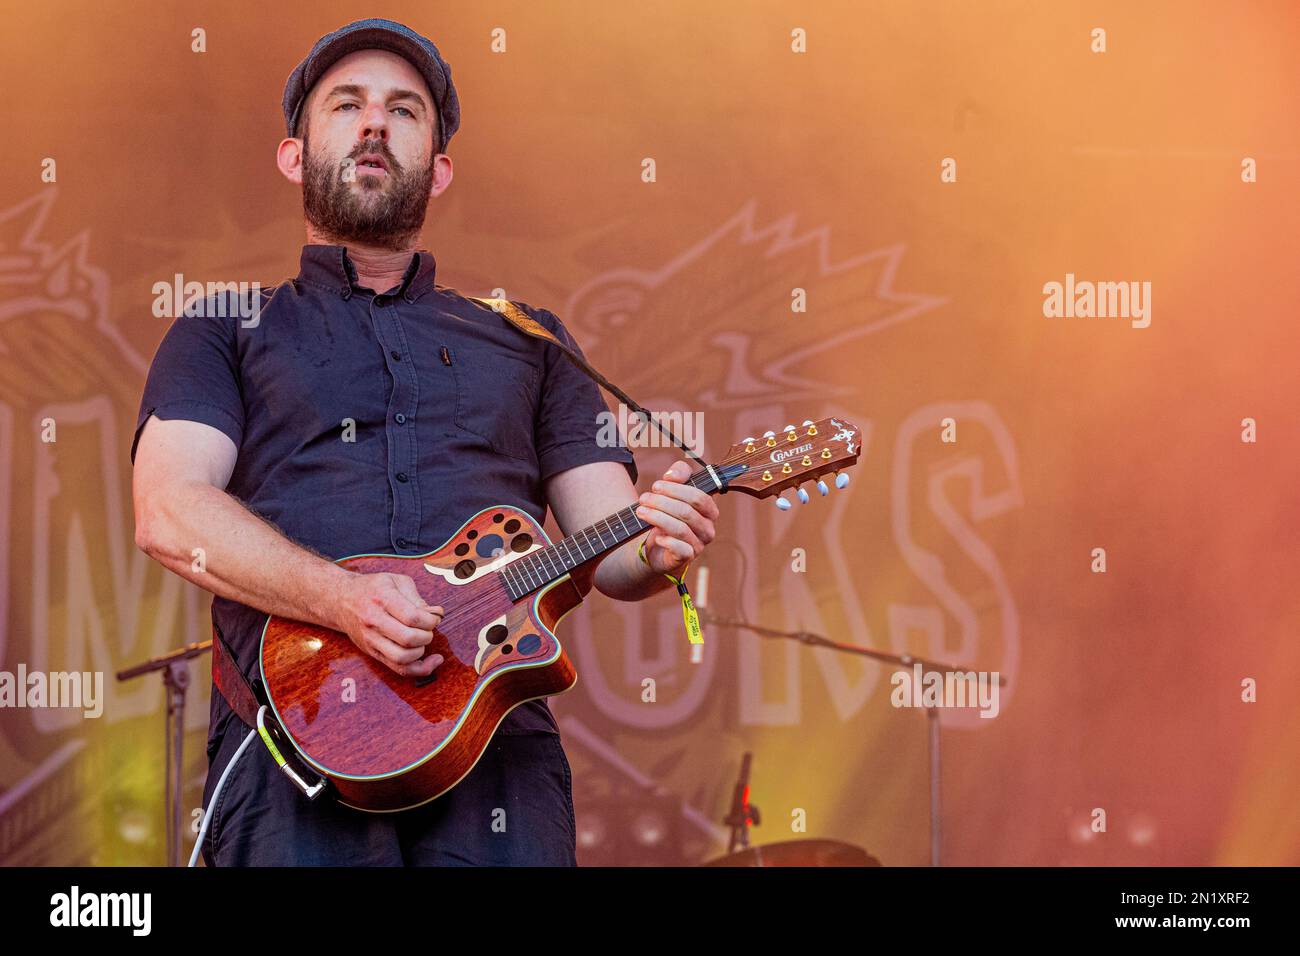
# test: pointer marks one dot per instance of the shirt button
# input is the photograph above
(397, 356)
(400, 418)
(381, 300)
(401, 476)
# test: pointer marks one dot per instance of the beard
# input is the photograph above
(387, 212)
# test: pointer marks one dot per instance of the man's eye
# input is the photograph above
(343, 105)
(405, 110)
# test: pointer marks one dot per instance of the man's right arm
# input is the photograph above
(181, 471)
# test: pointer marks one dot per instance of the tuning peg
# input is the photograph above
(821, 486)
(803, 496)
(841, 480)
(746, 441)
(788, 428)
(769, 434)
(807, 422)
(783, 503)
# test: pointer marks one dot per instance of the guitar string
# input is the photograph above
(488, 597)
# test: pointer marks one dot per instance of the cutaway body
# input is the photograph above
(389, 742)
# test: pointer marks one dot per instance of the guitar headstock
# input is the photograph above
(792, 456)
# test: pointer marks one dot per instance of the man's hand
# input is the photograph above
(181, 471)
(682, 516)
(386, 617)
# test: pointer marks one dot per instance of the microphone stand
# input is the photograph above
(176, 680)
(903, 660)
(743, 813)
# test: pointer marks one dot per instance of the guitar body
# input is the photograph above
(389, 742)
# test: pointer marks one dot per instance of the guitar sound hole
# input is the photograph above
(521, 542)
(497, 633)
(490, 546)
(465, 568)
(511, 526)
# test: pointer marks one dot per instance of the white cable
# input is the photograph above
(207, 817)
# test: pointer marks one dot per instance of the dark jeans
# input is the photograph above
(515, 808)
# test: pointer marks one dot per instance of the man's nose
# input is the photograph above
(374, 123)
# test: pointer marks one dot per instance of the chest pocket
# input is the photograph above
(496, 399)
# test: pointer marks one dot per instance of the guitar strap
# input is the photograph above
(230, 680)
(529, 326)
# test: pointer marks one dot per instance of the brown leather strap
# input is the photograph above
(529, 326)
(231, 682)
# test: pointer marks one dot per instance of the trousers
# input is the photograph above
(514, 808)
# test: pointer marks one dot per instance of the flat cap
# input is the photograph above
(376, 34)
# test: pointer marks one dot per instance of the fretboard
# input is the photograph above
(539, 568)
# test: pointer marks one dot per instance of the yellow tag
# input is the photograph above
(692, 620)
(689, 615)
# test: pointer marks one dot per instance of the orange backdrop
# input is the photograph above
(775, 170)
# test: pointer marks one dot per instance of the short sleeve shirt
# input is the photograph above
(375, 423)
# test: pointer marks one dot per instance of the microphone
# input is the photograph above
(742, 812)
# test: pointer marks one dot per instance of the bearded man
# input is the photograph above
(369, 410)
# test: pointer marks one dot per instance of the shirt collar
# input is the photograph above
(332, 268)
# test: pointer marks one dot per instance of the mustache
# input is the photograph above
(378, 148)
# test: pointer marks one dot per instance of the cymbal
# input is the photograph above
(799, 853)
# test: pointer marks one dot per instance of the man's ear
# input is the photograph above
(441, 175)
(289, 156)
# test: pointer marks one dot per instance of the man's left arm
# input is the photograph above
(681, 517)
(586, 480)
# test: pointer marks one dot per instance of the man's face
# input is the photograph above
(367, 130)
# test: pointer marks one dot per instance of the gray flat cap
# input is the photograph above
(376, 34)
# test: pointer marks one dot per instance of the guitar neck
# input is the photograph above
(539, 568)
(759, 467)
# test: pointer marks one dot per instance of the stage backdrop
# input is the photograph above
(762, 213)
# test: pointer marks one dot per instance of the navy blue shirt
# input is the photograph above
(373, 423)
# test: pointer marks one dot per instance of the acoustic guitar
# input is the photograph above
(388, 742)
